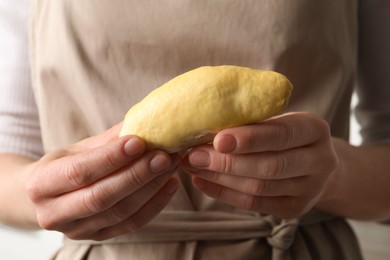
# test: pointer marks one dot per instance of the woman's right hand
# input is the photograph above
(102, 187)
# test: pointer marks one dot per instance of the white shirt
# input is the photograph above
(19, 123)
(19, 119)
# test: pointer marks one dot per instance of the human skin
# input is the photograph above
(103, 186)
(99, 188)
(289, 164)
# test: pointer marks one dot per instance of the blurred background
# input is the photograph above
(21, 245)
(40, 245)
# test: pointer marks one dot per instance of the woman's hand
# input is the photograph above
(279, 167)
(102, 186)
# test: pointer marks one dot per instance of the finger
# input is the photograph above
(85, 144)
(279, 206)
(103, 138)
(257, 187)
(82, 169)
(107, 192)
(143, 216)
(119, 212)
(265, 166)
(276, 134)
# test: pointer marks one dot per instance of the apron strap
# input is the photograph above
(179, 226)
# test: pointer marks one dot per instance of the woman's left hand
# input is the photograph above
(280, 166)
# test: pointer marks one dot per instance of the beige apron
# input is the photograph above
(91, 60)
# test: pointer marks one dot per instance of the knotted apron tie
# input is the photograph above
(179, 226)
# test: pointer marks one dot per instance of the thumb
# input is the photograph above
(102, 138)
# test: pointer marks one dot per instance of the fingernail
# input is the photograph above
(199, 158)
(134, 146)
(159, 163)
(226, 143)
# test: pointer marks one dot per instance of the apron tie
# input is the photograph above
(179, 226)
(283, 234)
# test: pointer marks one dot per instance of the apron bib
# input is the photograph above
(92, 60)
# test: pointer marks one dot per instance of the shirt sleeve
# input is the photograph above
(373, 84)
(19, 120)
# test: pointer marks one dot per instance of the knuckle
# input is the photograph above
(273, 166)
(46, 222)
(117, 214)
(281, 164)
(257, 187)
(286, 134)
(108, 161)
(266, 187)
(76, 173)
(219, 192)
(213, 176)
(227, 163)
(45, 217)
(322, 127)
(94, 201)
(33, 190)
(156, 184)
(318, 128)
(134, 177)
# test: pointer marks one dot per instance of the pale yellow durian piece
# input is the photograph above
(191, 108)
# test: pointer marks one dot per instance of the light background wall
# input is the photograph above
(21, 245)
(374, 237)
